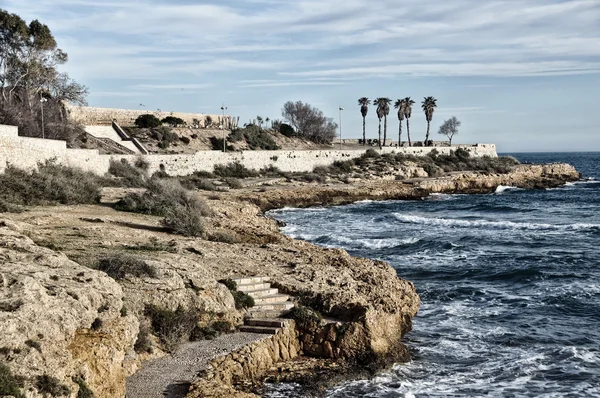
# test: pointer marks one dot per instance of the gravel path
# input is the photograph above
(170, 376)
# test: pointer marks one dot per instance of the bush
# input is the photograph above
(233, 183)
(242, 300)
(51, 183)
(173, 121)
(130, 175)
(287, 130)
(51, 386)
(147, 121)
(11, 306)
(305, 317)
(118, 266)
(84, 390)
(235, 169)
(97, 324)
(371, 154)
(217, 144)
(143, 342)
(255, 137)
(172, 327)
(182, 211)
(9, 384)
(224, 237)
(185, 140)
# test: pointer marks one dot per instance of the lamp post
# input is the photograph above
(223, 108)
(341, 109)
(42, 100)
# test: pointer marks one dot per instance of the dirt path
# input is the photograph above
(171, 376)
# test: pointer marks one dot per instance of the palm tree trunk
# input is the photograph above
(427, 135)
(408, 132)
(379, 140)
(384, 129)
(400, 134)
(364, 133)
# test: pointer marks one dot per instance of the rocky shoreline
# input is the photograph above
(371, 324)
(366, 307)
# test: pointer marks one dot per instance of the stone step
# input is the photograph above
(259, 329)
(272, 299)
(288, 305)
(268, 314)
(253, 286)
(247, 280)
(267, 322)
(262, 292)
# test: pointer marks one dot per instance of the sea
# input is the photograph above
(509, 283)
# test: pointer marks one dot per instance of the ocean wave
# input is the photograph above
(504, 188)
(454, 223)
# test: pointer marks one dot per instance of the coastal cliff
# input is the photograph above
(48, 297)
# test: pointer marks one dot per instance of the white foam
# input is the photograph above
(448, 222)
(504, 188)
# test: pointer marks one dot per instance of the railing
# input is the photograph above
(126, 137)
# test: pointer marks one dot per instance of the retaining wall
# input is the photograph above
(90, 116)
(26, 152)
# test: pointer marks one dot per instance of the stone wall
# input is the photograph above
(26, 152)
(90, 116)
(247, 364)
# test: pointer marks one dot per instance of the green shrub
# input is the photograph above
(9, 384)
(132, 176)
(217, 144)
(185, 140)
(313, 177)
(11, 306)
(172, 327)
(173, 121)
(51, 183)
(182, 211)
(194, 182)
(255, 137)
(371, 154)
(147, 121)
(118, 266)
(234, 169)
(97, 324)
(51, 386)
(242, 299)
(233, 183)
(84, 390)
(287, 130)
(123, 311)
(305, 317)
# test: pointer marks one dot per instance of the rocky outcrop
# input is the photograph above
(60, 319)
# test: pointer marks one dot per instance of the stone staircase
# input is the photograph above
(269, 305)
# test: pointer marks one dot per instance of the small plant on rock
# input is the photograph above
(118, 266)
(51, 387)
(9, 384)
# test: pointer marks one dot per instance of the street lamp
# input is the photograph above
(341, 109)
(42, 100)
(223, 108)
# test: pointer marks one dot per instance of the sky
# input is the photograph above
(523, 74)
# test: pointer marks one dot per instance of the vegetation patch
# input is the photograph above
(242, 299)
(51, 387)
(172, 327)
(143, 343)
(119, 266)
(9, 384)
(50, 183)
(234, 169)
(305, 317)
(11, 306)
(225, 237)
(182, 211)
(255, 137)
(132, 176)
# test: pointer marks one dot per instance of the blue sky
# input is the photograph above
(521, 73)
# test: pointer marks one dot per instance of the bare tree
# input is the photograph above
(309, 122)
(450, 128)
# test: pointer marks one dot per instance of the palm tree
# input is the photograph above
(267, 120)
(383, 109)
(428, 105)
(364, 103)
(408, 103)
(400, 104)
(259, 120)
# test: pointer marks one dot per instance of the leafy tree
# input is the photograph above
(400, 105)
(429, 104)
(383, 109)
(364, 103)
(408, 103)
(172, 120)
(147, 121)
(29, 61)
(309, 122)
(450, 128)
(208, 121)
